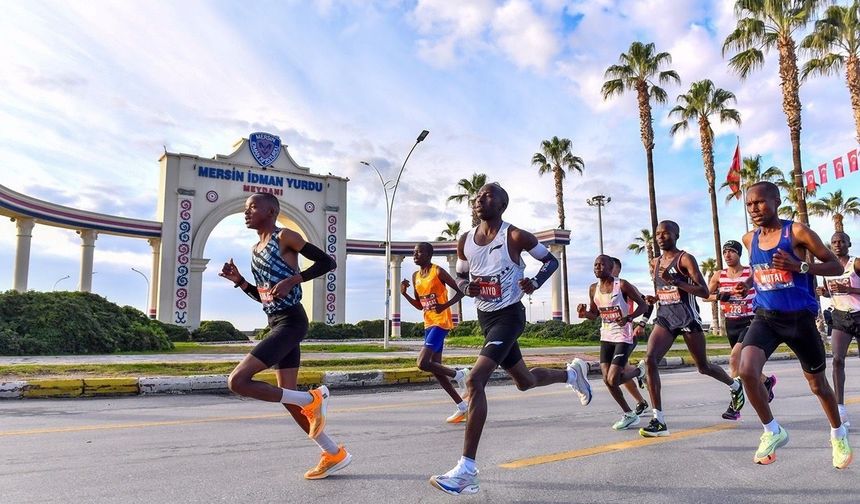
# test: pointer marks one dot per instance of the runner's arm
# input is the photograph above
(808, 239)
(591, 313)
(412, 300)
(231, 272)
(631, 292)
(713, 287)
(447, 280)
(699, 287)
(463, 282)
(524, 241)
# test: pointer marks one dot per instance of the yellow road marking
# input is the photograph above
(613, 447)
(853, 400)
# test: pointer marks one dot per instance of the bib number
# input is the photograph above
(841, 282)
(265, 293)
(768, 278)
(491, 288)
(610, 314)
(668, 295)
(428, 302)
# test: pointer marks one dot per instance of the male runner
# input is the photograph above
(738, 311)
(608, 301)
(275, 265)
(785, 312)
(844, 294)
(491, 254)
(678, 281)
(638, 332)
(431, 296)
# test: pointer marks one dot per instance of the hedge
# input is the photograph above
(217, 330)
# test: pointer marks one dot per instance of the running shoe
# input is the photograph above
(769, 384)
(642, 379)
(842, 454)
(738, 398)
(458, 416)
(654, 429)
(315, 411)
(766, 453)
(581, 385)
(329, 464)
(629, 419)
(456, 482)
(461, 383)
(731, 413)
(845, 421)
(641, 407)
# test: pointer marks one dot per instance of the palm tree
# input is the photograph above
(468, 191)
(762, 26)
(699, 103)
(709, 267)
(834, 43)
(643, 243)
(836, 206)
(751, 173)
(788, 207)
(555, 157)
(451, 232)
(635, 71)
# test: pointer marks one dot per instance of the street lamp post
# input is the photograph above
(58, 281)
(389, 206)
(146, 304)
(599, 201)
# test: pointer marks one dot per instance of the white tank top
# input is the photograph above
(491, 267)
(845, 302)
(612, 307)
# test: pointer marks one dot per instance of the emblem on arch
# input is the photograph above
(265, 147)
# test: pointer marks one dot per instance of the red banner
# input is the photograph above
(734, 175)
(838, 167)
(810, 180)
(822, 173)
(852, 161)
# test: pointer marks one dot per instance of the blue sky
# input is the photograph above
(91, 94)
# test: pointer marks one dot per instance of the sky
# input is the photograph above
(92, 93)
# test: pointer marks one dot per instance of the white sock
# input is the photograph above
(736, 385)
(772, 427)
(327, 444)
(459, 375)
(463, 406)
(659, 416)
(842, 412)
(468, 465)
(839, 432)
(296, 397)
(571, 376)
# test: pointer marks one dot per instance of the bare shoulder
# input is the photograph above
(291, 239)
(747, 239)
(521, 237)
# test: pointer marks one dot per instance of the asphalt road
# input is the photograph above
(538, 446)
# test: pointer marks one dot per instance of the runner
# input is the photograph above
(785, 312)
(638, 332)
(678, 281)
(844, 294)
(275, 265)
(431, 296)
(609, 302)
(491, 254)
(738, 311)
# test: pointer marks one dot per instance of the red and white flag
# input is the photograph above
(822, 173)
(838, 167)
(810, 180)
(852, 161)
(734, 176)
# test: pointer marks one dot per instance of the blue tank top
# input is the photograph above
(270, 268)
(780, 290)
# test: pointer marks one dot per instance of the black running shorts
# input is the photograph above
(281, 347)
(796, 329)
(501, 329)
(615, 354)
(692, 326)
(847, 322)
(736, 329)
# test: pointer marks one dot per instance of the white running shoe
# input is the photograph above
(461, 382)
(581, 385)
(456, 482)
(629, 419)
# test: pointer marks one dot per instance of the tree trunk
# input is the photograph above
(852, 70)
(475, 219)
(559, 195)
(565, 300)
(791, 106)
(837, 222)
(708, 158)
(647, 132)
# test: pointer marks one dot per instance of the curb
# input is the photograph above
(217, 384)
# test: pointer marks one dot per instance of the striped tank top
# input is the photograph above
(495, 272)
(270, 268)
(676, 307)
(776, 289)
(612, 307)
(736, 307)
(845, 302)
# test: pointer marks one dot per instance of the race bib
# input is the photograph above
(491, 288)
(610, 314)
(668, 295)
(736, 306)
(845, 283)
(265, 291)
(428, 302)
(768, 278)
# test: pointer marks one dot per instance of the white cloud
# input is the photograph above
(524, 36)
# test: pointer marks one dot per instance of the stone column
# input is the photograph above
(455, 309)
(24, 226)
(396, 261)
(195, 290)
(556, 284)
(88, 246)
(155, 243)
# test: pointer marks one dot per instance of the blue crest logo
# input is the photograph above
(265, 147)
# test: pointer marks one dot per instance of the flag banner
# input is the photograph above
(810, 180)
(822, 173)
(852, 161)
(838, 168)
(734, 176)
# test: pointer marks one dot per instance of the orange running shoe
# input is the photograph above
(315, 411)
(329, 464)
(458, 416)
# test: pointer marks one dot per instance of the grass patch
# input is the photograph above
(190, 347)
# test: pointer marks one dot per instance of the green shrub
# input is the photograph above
(40, 323)
(372, 329)
(467, 328)
(175, 332)
(319, 330)
(260, 334)
(217, 330)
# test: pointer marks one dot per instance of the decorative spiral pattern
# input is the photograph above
(185, 204)
(183, 248)
(183, 257)
(331, 277)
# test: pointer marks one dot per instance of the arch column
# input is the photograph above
(155, 244)
(88, 246)
(195, 289)
(456, 316)
(394, 293)
(24, 226)
(555, 290)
